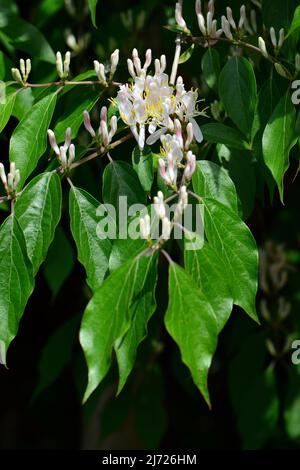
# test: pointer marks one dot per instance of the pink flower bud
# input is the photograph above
(178, 15)
(87, 123)
(52, 141)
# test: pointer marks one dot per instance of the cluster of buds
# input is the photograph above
(100, 68)
(182, 203)
(103, 136)
(135, 66)
(12, 179)
(209, 27)
(174, 149)
(160, 210)
(63, 67)
(277, 44)
(64, 153)
(228, 22)
(21, 75)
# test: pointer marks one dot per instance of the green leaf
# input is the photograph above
(123, 250)
(38, 210)
(279, 138)
(141, 310)
(23, 103)
(211, 180)
(187, 54)
(16, 281)
(142, 161)
(295, 26)
(93, 252)
(25, 37)
(234, 244)
(29, 139)
(92, 6)
(120, 179)
(211, 67)
(107, 318)
(60, 261)
(78, 100)
(240, 168)
(7, 102)
(208, 270)
(220, 134)
(191, 322)
(237, 89)
(292, 404)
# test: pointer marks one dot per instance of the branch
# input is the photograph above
(66, 82)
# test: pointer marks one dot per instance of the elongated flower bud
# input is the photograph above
(281, 38)
(87, 123)
(113, 127)
(226, 27)
(198, 7)
(145, 227)
(3, 174)
(230, 17)
(63, 156)
(104, 133)
(68, 137)
(148, 59)
(178, 15)
(100, 72)
(22, 67)
(28, 67)
(178, 131)
(16, 75)
(242, 16)
(17, 178)
(67, 64)
(159, 205)
(262, 46)
(166, 228)
(59, 65)
(190, 135)
(71, 155)
(52, 141)
(273, 36)
(282, 70)
(190, 165)
(114, 60)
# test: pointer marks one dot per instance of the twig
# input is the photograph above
(167, 256)
(61, 83)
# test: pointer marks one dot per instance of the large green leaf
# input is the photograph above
(107, 318)
(25, 37)
(142, 161)
(75, 102)
(211, 67)
(93, 6)
(29, 139)
(93, 252)
(141, 309)
(211, 180)
(209, 272)
(218, 133)
(279, 138)
(38, 210)
(235, 245)
(191, 322)
(295, 26)
(237, 89)
(6, 106)
(120, 179)
(16, 281)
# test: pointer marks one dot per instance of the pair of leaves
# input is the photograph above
(24, 240)
(108, 317)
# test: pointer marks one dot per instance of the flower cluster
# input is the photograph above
(12, 179)
(100, 68)
(103, 136)
(65, 153)
(21, 75)
(151, 103)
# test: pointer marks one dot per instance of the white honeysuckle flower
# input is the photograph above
(66, 152)
(151, 104)
(172, 147)
(63, 67)
(208, 27)
(145, 227)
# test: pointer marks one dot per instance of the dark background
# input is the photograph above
(254, 387)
